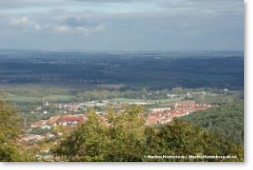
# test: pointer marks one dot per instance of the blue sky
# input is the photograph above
(128, 25)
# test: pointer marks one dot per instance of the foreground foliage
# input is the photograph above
(9, 130)
(126, 138)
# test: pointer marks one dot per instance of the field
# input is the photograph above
(160, 101)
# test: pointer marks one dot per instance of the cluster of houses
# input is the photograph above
(154, 116)
(65, 120)
(35, 138)
(177, 109)
(69, 121)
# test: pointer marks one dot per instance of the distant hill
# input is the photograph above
(226, 120)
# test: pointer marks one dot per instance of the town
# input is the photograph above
(67, 116)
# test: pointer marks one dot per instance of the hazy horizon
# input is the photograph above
(105, 51)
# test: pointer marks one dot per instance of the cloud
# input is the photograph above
(37, 27)
(75, 25)
(75, 22)
(71, 25)
(24, 22)
(112, 1)
(209, 7)
(11, 4)
(20, 21)
(18, 4)
(123, 24)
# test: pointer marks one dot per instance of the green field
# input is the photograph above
(34, 94)
(62, 98)
(161, 101)
(36, 90)
(21, 99)
(31, 100)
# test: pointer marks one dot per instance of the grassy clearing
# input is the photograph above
(63, 98)
(35, 90)
(21, 99)
(127, 100)
(33, 94)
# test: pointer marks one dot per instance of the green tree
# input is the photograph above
(126, 135)
(184, 139)
(9, 122)
(10, 125)
(86, 143)
(119, 139)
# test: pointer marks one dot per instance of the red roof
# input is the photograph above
(72, 118)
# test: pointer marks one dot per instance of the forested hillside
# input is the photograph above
(226, 120)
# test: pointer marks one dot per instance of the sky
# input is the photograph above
(122, 25)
